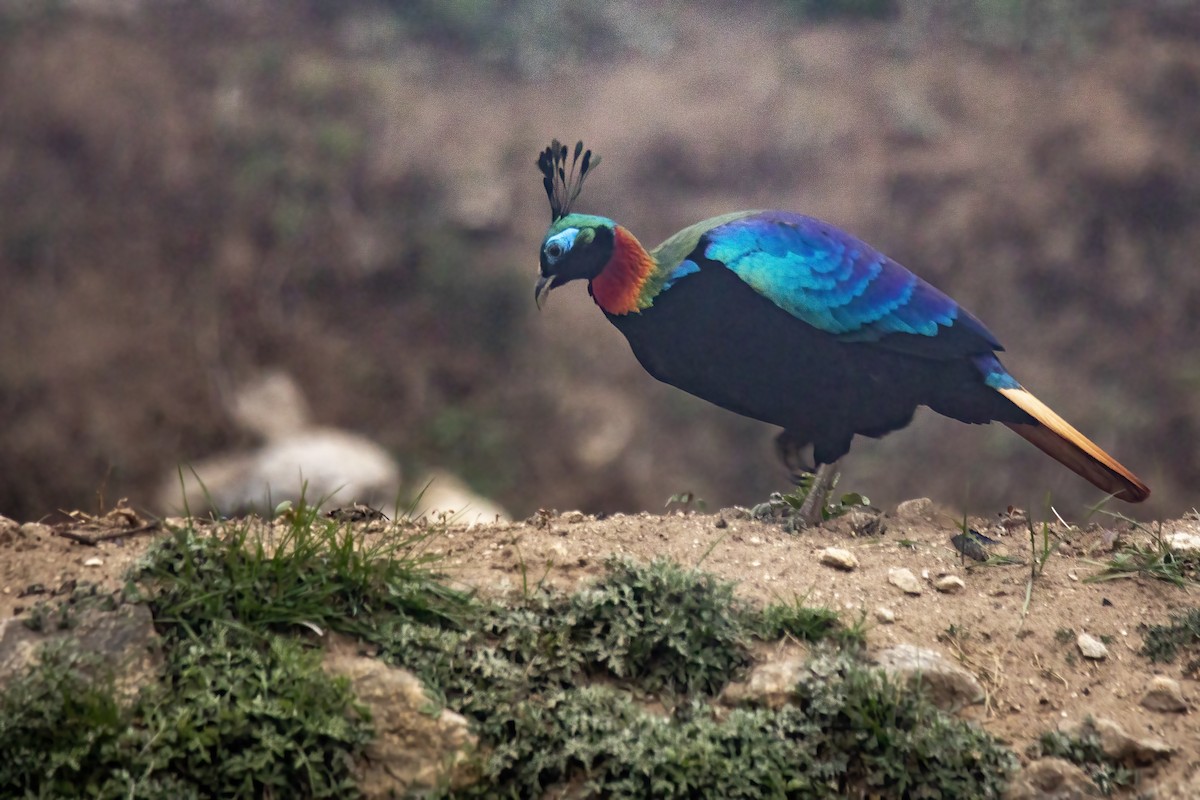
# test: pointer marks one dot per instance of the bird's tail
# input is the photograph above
(1055, 437)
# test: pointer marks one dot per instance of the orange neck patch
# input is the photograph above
(618, 287)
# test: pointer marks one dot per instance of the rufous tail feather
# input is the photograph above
(1058, 439)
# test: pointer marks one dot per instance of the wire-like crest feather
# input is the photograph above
(563, 186)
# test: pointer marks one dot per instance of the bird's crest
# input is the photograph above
(562, 187)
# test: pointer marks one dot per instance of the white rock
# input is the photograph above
(446, 497)
(94, 562)
(903, 578)
(573, 517)
(1184, 542)
(297, 458)
(839, 558)
(1091, 647)
(885, 615)
(949, 584)
(325, 466)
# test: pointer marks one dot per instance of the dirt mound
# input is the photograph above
(1019, 637)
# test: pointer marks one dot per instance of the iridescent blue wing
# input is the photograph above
(842, 286)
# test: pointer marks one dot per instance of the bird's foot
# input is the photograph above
(812, 511)
(804, 508)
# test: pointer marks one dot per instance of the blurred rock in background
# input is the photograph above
(441, 497)
(326, 467)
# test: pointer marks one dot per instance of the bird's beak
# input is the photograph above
(544, 284)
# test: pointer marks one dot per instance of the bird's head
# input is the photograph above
(576, 245)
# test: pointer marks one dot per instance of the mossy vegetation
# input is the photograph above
(1083, 749)
(229, 717)
(606, 692)
(1164, 643)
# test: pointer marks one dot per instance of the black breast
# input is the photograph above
(715, 337)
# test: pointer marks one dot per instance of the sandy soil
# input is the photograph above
(1033, 673)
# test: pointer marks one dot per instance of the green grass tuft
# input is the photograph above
(310, 572)
(1154, 558)
(809, 624)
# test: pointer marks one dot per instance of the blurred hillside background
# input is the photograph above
(193, 193)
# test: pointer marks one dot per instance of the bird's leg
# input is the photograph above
(790, 450)
(812, 510)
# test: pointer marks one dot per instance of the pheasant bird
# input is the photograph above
(788, 320)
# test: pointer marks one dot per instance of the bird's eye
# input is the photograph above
(557, 246)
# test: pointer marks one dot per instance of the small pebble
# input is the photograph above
(949, 584)
(94, 562)
(885, 615)
(1091, 647)
(573, 517)
(838, 558)
(902, 578)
